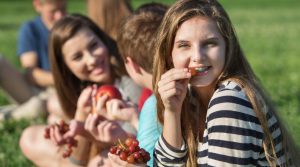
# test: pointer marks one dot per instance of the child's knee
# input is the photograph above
(25, 142)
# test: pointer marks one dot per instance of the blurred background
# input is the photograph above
(268, 30)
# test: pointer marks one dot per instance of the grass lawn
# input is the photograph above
(268, 32)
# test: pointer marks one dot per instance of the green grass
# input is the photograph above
(10, 153)
(268, 32)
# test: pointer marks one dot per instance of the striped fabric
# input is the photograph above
(233, 135)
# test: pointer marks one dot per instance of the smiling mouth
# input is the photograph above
(98, 68)
(199, 70)
(97, 71)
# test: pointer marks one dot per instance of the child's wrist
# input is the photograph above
(172, 115)
(77, 162)
(80, 154)
(80, 115)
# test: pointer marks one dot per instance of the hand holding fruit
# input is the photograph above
(119, 110)
(102, 94)
(172, 88)
(103, 130)
(109, 90)
(129, 152)
(115, 161)
(122, 111)
(56, 134)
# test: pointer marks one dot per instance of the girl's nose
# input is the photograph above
(91, 59)
(198, 55)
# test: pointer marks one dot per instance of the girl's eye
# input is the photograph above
(93, 45)
(210, 44)
(182, 45)
(77, 57)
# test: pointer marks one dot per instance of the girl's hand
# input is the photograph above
(99, 105)
(172, 88)
(117, 162)
(75, 128)
(55, 135)
(119, 110)
(84, 103)
(103, 130)
(114, 110)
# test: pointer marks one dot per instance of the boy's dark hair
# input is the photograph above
(152, 7)
(137, 35)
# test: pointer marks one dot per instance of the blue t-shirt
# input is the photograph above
(33, 36)
(149, 128)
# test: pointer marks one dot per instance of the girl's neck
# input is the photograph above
(205, 94)
(111, 79)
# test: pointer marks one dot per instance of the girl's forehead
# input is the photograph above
(203, 26)
(84, 34)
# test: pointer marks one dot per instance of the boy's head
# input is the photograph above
(137, 36)
(50, 10)
(152, 7)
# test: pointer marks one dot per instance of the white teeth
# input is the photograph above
(201, 69)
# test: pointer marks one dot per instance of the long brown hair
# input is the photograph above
(236, 68)
(68, 86)
(107, 14)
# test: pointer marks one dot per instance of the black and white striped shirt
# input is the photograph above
(233, 135)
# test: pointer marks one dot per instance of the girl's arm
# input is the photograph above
(170, 150)
(166, 155)
(80, 154)
(172, 89)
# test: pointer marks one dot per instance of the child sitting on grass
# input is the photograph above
(81, 55)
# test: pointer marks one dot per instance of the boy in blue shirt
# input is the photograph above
(33, 41)
(32, 50)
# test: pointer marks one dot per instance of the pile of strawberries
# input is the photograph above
(130, 151)
(63, 128)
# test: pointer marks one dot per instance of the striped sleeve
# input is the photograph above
(233, 133)
(277, 139)
(166, 155)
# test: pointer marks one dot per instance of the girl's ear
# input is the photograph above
(133, 65)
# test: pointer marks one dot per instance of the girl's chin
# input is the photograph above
(198, 83)
(100, 78)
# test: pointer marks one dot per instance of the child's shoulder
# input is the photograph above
(230, 92)
(229, 85)
(230, 102)
(32, 24)
(229, 88)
